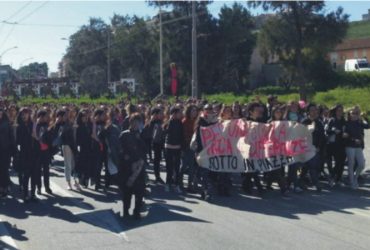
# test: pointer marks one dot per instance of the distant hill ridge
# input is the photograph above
(358, 29)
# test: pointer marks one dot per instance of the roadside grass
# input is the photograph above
(346, 96)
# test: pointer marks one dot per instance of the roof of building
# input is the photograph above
(44, 80)
(363, 43)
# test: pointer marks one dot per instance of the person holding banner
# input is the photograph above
(223, 180)
(188, 159)
(318, 140)
(293, 113)
(255, 113)
(277, 175)
(206, 118)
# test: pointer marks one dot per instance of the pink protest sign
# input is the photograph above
(244, 146)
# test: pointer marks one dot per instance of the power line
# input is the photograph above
(7, 36)
(22, 19)
(15, 13)
(18, 11)
(42, 24)
(32, 12)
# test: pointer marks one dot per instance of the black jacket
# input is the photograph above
(132, 150)
(27, 145)
(111, 138)
(318, 135)
(174, 133)
(65, 130)
(355, 130)
(45, 137)
(83, 138)
(333, 125)
(7, 142)
(201, 123)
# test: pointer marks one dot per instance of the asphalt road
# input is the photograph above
(338, 218)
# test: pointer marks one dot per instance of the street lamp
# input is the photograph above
(5, 51)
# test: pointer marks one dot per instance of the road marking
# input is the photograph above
(83, 209)
(5, 237)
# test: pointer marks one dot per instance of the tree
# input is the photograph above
(93, 81)
(88, 47)
(136, 50)
(236, 43)
(299, 33)
(34, 70)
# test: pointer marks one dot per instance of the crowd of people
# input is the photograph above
(123, 141)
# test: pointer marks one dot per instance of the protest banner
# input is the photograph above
(241, 146)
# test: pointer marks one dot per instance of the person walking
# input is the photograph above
(131, 171)
(174, 141)
(354, 135)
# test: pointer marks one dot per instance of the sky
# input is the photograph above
(46, 23)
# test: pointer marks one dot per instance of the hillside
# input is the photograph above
(358, 29)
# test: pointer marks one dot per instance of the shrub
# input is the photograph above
(353, 79)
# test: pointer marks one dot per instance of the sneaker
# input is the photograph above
(331, 183)
(285, 193)
(39, 191)
(298, 190)
(167, 188)
(126, 214)
(78, 187)
(178, 190)
(26, 199)
(49, 191)
(34, 198)
(340, 183)
(318, 188)
(191, 190)
(205, 196)
(159, 181)
(137, 216)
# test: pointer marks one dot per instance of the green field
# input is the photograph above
(346, 96)
(359, 29)
(343, 95)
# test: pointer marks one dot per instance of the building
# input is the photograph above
(366, 17)
(62, 67)
(7, 73)
(43, 87)
(54, 74)
(124, 85)
(349, 49)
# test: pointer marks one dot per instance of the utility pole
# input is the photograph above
(108, 58)
(160, 50)
(194, 80)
